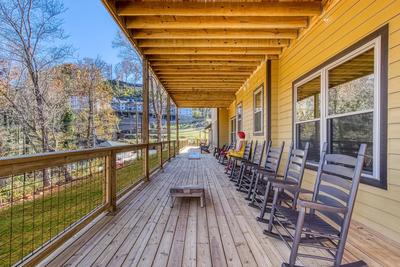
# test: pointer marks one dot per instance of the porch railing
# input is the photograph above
(46, 198)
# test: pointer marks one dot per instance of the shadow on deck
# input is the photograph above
(146, 231)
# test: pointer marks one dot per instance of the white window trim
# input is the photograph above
(324, 117)
(232, 121)
(258, 91)
(237, 116)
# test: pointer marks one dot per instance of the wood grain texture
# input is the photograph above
(147, 232)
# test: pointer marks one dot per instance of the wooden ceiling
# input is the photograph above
(203, 51)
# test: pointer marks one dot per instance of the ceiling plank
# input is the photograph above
(204, 63)
(200, 79)
(213, 43)
(204, 76)
(214, 34)
(206, 57)
(211, 51)
(212, 83)
(203, 104)
(174, 22)
(195, 9)
(202, 72)
(197, 68)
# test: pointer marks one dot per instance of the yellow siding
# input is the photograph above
(223, 122)
(245, 96)
(342, 25)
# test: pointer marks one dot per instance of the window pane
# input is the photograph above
(308, 99)
(351, 85)
(239, 117)
(257, 100)
(309, 132)
(257, 121)
(349, 132)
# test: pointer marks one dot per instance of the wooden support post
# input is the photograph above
(145, 117)
(169, 126)
(161, 147)
(177, 128)
(111, 181)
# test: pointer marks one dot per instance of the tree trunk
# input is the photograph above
(91, 140)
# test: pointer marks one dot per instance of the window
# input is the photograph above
(258, 108)
(239, 117)
(344, 103)
(233, 129)
(308, 117)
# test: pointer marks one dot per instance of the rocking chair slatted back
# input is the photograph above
(295, 166)
(333, 186)
(247, 150)
(258, 154)
(273, 157)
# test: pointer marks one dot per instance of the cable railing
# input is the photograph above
(47, 198)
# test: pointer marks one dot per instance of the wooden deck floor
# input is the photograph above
(147, 232)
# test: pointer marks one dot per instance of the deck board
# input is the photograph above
(146, 231)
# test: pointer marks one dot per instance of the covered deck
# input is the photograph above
(146, 231)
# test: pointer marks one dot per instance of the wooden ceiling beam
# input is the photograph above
(195, 9)
(187, 87)
(204, 76)
(214, 34)
(214, 43)
(197, 68)
(204, 104)
(165, 58)
(190, 89)
(205, 72)
(184, 23)
(212, 83)
(200, 79)
(204, 97)
(211, 51)
(204, 63)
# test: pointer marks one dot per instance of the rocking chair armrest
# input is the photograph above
(320, 206)
(282, 183)
(264, 171)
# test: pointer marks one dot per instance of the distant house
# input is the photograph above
(129, 108)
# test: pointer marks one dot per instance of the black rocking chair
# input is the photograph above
(259, 181)
(291, 181)
(333, 198)
(249, 168)
(234, 162)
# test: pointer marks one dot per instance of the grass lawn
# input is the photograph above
(35, 221)
(190, 133)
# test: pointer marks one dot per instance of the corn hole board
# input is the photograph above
(187, 191)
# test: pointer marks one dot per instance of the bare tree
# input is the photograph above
(158, 100)
(28, 30)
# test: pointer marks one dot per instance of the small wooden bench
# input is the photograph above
(187, 191)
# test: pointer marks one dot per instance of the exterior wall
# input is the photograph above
(245, 96)
(344, 24)
(214, 127)
(219, 119)
(223, 123)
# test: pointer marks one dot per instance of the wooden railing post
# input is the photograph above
(145, 118)
(161, 146)
(177, 128)
(169, 126)
(111, 181)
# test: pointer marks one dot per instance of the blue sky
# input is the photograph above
(91, 29)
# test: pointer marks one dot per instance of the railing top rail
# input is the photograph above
(19, 164)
